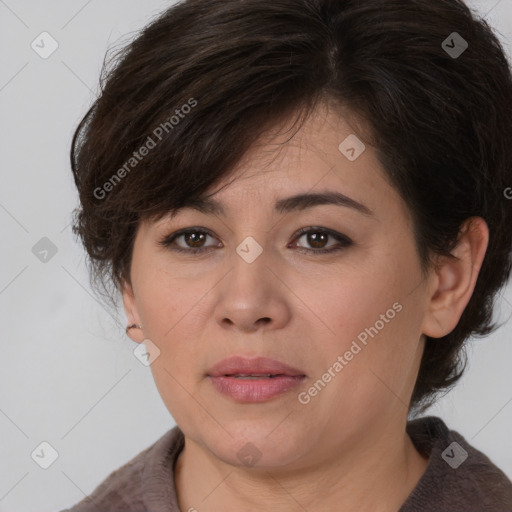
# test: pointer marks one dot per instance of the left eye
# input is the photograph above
(194, 240)
(316, 237)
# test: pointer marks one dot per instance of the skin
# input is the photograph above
(347, 449)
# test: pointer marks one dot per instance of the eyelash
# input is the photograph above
(344, 240)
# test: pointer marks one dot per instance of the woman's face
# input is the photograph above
(349, 320)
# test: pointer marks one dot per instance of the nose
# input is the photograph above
(253, 297)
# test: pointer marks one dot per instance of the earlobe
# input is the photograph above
(454, 279)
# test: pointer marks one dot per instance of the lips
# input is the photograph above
(254, 380)
(260, 367)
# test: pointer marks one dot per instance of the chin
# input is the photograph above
(257, 444)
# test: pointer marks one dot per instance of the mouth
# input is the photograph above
(256, 368)
(254, 380)
(258, 376)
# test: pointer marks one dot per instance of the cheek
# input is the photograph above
(176, 307)
(172, 308)
(167, 300)
(372, 320)
(348, 303)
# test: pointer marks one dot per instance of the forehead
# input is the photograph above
(324, 162)
(289, 170)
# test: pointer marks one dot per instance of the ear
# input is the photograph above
(131, 311)
(454, 279)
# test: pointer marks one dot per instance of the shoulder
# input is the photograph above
(125, 489)
(458, 476)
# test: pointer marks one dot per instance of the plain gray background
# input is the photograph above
(68, 375)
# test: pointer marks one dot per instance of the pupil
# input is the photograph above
(313, 239)
(190, 238)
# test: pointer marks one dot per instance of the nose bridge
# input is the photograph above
(250, 249)
(251, 295)
(250, 261)
(250, 232)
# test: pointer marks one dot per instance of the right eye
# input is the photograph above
(194, 236)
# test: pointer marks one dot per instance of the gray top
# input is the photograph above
(458, 478)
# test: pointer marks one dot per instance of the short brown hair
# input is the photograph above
(441, 124)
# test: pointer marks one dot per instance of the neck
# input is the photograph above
(376, 474)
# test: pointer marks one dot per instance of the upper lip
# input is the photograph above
(257, 366)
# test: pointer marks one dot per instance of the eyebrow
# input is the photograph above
(294, 203)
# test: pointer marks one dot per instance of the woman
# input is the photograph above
(304, 206)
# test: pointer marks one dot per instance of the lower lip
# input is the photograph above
(255, 390)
